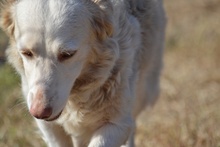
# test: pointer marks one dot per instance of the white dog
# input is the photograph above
(88, 67)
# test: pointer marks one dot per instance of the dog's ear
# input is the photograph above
(102, 27)
(101, 21)
(7, 23)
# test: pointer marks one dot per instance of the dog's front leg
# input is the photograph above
(111, 135)
(54, 135)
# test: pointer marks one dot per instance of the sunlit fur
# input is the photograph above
(112, 76)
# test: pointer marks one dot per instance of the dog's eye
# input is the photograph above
(27, 53)
(65, 55)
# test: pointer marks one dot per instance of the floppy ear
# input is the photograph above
(101, 22)
(7, 22)
(102, 27)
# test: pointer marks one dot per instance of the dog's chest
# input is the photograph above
(80, 123)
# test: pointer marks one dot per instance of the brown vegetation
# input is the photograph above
(188, 111)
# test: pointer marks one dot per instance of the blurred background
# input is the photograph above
(188, 111)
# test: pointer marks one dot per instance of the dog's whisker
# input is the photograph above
(19, 105)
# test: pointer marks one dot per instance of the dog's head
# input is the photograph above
(58, 47)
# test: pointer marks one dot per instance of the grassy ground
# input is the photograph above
(188, 111)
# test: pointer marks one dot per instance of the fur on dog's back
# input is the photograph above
(119, 74)
(150, 54)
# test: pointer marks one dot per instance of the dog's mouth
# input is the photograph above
(54, 118)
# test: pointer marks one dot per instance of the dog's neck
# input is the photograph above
(98, 93)
(100, 75)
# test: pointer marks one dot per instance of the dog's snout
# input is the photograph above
(40, 108)
(41, 112)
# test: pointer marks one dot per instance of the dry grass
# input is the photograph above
(188, 111)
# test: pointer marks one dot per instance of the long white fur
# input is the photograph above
(125, 77)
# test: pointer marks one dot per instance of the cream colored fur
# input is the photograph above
(101, 88)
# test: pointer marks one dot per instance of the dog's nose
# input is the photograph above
(40, 112)
(40, 108)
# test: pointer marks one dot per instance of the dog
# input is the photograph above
(87, 67)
